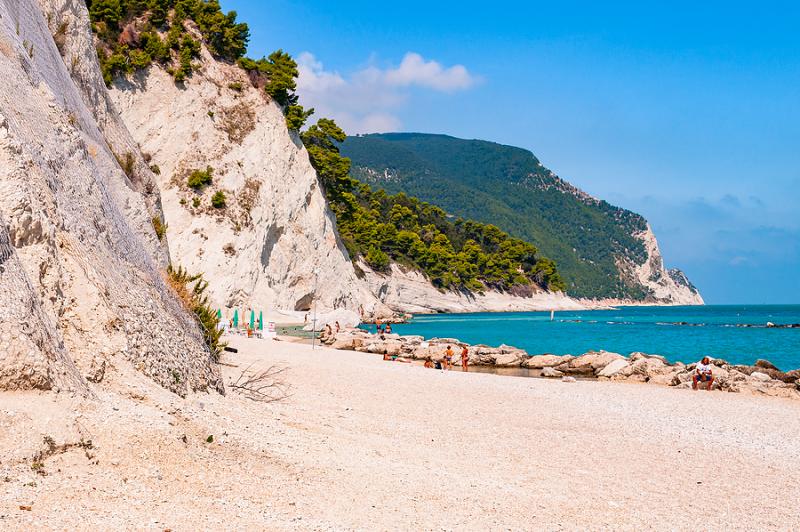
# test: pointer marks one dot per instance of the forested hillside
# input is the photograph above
(453, 253)
(508, 187)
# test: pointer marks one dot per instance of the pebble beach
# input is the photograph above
(361, 443)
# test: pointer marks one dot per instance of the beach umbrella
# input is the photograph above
(219, 314)
(252, 319)
(236, 318)
(260, 320)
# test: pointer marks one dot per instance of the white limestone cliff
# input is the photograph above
(263, 248)
(410, 291)
(666, 287)
(82, 290)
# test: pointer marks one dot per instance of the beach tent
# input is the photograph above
(252, 319)
(260, 320)
(236, 318)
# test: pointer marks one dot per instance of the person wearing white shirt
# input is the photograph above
(702, 373)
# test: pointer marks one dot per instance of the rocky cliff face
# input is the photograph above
(81, 288)
(665, 287)
(405, 290)
(263, 247)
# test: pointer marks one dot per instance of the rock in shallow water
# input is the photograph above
(546, 360)
(551, 372)
(765, 364)
(613, 367)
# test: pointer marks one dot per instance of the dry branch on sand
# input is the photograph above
(265, 386)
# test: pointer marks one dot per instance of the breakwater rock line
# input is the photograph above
(762, 378)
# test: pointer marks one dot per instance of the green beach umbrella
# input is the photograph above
(236, 317)
(252, 319)
(219, 314)
(260, 320)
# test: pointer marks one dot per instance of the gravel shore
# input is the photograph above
(365, 444)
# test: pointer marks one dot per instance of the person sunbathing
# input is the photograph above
(703, 373)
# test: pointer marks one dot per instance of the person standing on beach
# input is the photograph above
(448, 358)
(702, 373)
(464, 358)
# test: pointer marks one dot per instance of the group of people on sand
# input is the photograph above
(446, 363)
(329, 329)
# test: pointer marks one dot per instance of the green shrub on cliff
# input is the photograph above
(377, 259)
(218, 200)
(296, 117)
(198, 179)
(159, 227)
(280, 72)
(191, 291)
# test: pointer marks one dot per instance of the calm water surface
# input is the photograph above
(679, 333)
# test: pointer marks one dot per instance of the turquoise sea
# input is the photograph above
(737, 333)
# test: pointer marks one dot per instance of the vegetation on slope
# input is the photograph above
(133, 34)
(509, 188)
(453, 254)
(191, 291)
(280, 71)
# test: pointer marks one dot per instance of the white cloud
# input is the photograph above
(367, 100)
(414, 70)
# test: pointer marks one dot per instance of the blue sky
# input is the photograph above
(686, 113)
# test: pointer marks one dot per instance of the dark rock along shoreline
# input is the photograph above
(760, 378)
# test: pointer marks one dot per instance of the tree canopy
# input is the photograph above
(281, 72)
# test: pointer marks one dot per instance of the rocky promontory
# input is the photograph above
(761, 378)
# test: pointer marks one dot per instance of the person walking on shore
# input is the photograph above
(464, 358)
(702, 373)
